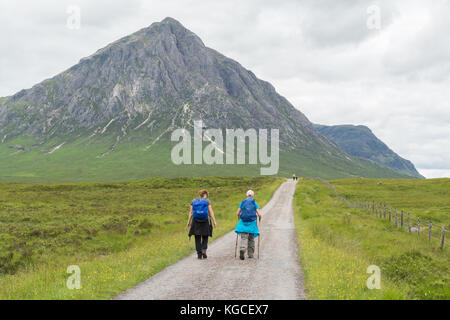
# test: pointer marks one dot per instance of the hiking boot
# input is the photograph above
(199, 256)
(242, 255)
(204, 254)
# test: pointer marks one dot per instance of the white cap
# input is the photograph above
(250, 193)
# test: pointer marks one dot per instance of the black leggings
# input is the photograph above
(201, 243)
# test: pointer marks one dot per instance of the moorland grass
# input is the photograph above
(337, 244)
(119, 234)
(428, 199)
(80, 160)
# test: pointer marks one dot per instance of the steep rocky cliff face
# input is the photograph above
(164, 71)
(133, 93)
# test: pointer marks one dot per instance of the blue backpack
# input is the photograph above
(248, 210)
(200, 209)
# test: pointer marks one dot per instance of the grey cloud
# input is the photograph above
(423, 54)
(333, 23)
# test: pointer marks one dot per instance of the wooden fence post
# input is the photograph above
(409, 224)
(401, 219)
(418, 226)
(429, 231)
(396, 218)
(390, 218)
(442, 237)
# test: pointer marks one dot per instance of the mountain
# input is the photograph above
(110, 117)
(360, 141)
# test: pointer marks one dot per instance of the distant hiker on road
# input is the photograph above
(199, 222)
(247, 227)
(294, 176)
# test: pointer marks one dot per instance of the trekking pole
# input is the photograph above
(259, 238)
(235, 248)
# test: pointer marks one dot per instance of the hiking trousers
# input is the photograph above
(248, 242)
(201, 244)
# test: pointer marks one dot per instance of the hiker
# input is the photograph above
(293, 177)
(247, 227)
(199, 222)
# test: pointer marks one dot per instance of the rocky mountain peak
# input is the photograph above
(163, 71)
(124, 101)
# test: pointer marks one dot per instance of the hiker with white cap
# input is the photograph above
(247, 227)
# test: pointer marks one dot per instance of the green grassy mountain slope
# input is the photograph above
(79, 161)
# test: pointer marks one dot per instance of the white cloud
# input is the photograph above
(430, 173)
(318, 53)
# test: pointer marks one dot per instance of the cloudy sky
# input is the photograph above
(384, 64)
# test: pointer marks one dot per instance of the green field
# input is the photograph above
(337, 244)
(119, 234)
(122, 233)
(427, 199)
(79, 160)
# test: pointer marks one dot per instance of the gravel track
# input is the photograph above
(275, 276)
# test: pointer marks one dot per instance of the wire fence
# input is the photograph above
(403, 220)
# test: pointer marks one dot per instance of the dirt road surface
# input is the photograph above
(276, 275)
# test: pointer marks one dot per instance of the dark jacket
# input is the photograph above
(200, 228)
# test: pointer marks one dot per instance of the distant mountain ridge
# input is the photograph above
(110, 116)
(360, 141)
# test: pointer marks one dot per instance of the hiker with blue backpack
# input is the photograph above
(200, 216)
(247, 227)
